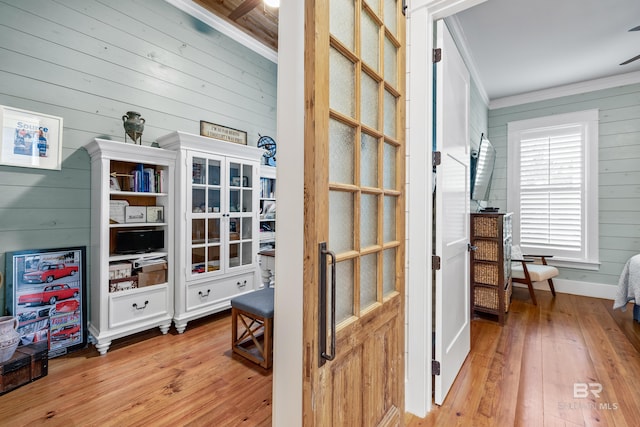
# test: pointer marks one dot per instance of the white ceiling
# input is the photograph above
(521, 46)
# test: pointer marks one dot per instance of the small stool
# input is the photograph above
(255, 312)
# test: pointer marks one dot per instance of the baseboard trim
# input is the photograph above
(574, 287)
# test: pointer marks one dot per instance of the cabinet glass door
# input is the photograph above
(241, 214)
(206, 216)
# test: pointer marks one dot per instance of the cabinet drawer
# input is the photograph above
(210, 292)
(138, 305)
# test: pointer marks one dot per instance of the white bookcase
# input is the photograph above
(267, 207)
(217, 230)
(131, 254)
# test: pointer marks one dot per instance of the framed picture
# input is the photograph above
(224, 133)
(30, 139)
(155, 214)
(135, 214)
(46, 291)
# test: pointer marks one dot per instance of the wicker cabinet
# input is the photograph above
(490, 263)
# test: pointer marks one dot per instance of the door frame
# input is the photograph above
(288, 341)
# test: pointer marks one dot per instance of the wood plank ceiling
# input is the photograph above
(251, 16)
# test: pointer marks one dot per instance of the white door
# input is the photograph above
(452, 323)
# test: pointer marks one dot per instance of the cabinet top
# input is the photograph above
(181, 140)
(106, 148)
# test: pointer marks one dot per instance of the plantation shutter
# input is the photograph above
(552, 182)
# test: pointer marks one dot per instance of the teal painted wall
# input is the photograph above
(619, 170)
(91, 61)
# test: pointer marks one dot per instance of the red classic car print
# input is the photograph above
(49, 272)
(65, 332)
(49, 295)
(68, 306)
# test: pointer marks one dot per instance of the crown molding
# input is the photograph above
(567, 90)
(225, 28)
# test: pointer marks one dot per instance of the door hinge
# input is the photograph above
(436, 158)
(435, 262)
(435, 367)
(437, 55)
(404, 7)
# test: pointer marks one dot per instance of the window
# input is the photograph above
(553, 186)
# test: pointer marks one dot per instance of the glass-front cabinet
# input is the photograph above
(218, 224)
(222, 217)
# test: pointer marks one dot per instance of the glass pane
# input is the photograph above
(369, 95)
(370, 42)
(344, 289)
(213, 258)
(234, 228)
(368, 280)
(234, 174)
(341, 140)
(368, 161)
(247, 200)
(368, 220)
(389, 271)
(389, 219)
(389, 167)
(234, 255)
(375, 5)
(342, 20)
(214, 200)
(234, 201)
(198, 171)
(246, 253)
(214, 172)
(213, 231)
(389, 114)
(340, 221)
(197, 231)
(197, 261)
(390, 63)
(197, 200)
(342, 88)
(246, 228)
(390, 16)
(247, 176)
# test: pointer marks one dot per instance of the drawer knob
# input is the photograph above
(203, 295)
(140, 308)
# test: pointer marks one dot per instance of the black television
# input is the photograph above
(482, 163)
(139, 241)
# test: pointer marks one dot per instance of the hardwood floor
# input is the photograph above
(149, 380)
(521, 374)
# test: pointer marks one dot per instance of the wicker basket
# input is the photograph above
(485, 297)
(487, 250)
(485, 226)
(487, 274)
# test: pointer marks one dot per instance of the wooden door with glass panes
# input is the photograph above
(354, 213)
(222, 214)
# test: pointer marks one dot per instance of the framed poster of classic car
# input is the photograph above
(45, 291)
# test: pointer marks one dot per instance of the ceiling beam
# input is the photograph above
(245, 7)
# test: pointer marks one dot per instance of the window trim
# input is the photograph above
(589, 119)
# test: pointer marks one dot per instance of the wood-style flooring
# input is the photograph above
(521, 374)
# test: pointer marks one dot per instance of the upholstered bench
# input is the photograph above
(252, 326)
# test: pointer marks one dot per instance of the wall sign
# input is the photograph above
(224, 133)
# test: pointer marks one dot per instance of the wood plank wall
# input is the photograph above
(91, 61)
(619, 170)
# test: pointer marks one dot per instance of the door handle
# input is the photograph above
(322, 304)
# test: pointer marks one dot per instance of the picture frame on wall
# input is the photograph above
(46, 292)
(29, 139)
